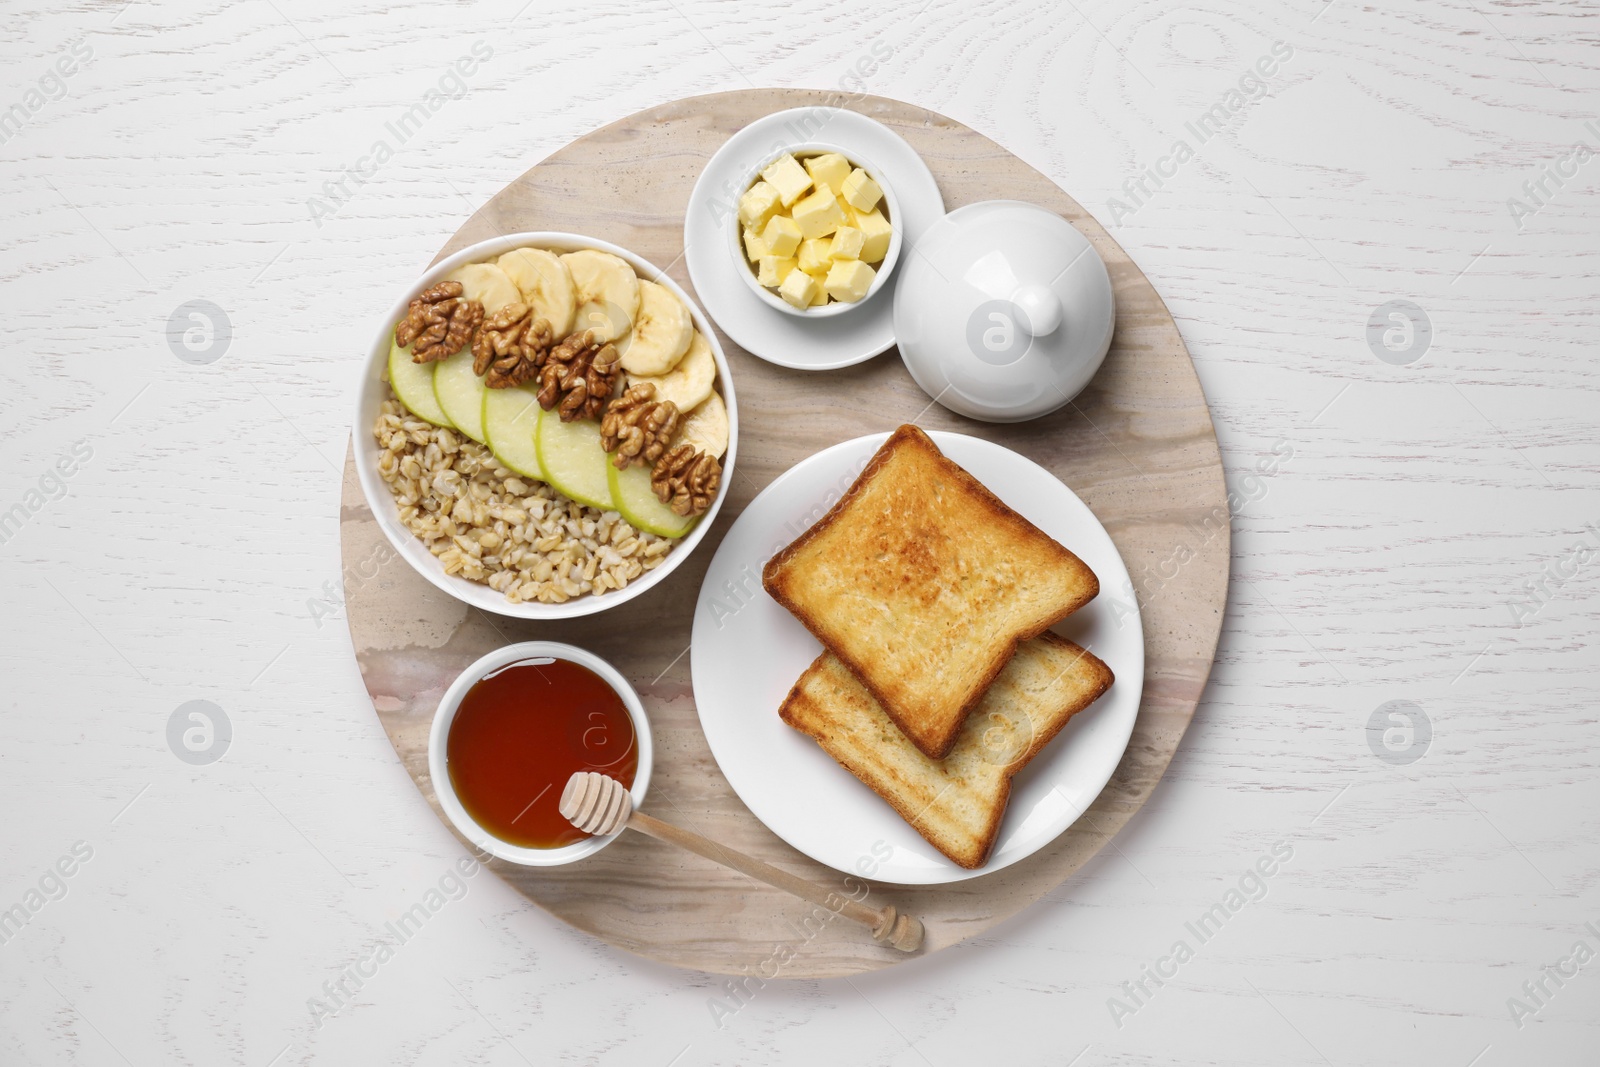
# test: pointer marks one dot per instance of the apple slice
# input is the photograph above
(638, 504)
(413, 384)
(510, 428)
(572, 460)
(460, 393)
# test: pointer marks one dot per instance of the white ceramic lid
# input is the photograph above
(1003, 312)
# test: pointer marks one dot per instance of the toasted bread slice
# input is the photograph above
(922, 582)
(957, 802)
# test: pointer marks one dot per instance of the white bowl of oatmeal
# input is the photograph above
(535, 521)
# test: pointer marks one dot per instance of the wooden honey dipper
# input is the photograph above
(600, 805)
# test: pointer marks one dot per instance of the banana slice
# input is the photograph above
(706, 427)
(689, 383)
(607, 292)
(487, 284)
(661, 333)
(546, 286)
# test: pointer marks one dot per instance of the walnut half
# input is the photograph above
(686, 480)
(579, 375)
(438, 323)
(511, 346)
(637, 427)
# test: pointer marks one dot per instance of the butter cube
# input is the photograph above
(860, 191)
(788, 177)
(759, 203)
(875, 231)
(820, 213)
(774, 270)
(847, 243)
(814, 255)
(822, 294)
(782, 236)
(799, 289)
(848, 280)
(830, 169)
(754, 246)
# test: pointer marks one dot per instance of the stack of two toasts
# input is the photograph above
(939, 679)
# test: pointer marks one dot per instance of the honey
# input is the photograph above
(521, 732)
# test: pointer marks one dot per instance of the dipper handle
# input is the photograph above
(597, 804)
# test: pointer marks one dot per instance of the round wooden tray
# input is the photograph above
(1137, 446)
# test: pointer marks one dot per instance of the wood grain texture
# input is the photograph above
(1137, 446)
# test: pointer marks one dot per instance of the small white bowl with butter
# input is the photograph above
(816, 231)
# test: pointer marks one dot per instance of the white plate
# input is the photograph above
(788, 340)
(748, 651)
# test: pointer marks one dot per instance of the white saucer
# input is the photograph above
(804, 344)
(748, 651)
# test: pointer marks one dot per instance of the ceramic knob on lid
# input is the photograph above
(1003, 311)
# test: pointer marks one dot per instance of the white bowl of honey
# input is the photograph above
(510, 731)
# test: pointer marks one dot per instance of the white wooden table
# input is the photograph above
(168, 513)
